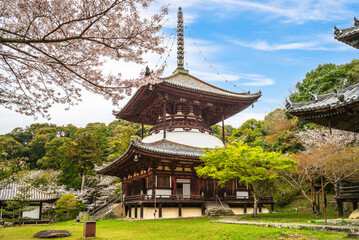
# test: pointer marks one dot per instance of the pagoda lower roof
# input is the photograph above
(338, 110)
(162, 148)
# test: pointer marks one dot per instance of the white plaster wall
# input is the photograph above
(240, 210)
(163, 192)
(169, 212)
(191, 212)
(192, 138)
(33, 213)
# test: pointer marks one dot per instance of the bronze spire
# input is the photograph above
(180, 43)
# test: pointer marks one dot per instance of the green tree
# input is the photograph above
(120, 141)
(251, 132)
(250, 165)
(10, 158)
(67, 207)
(55, 152)
(80, 158)
(324, 79)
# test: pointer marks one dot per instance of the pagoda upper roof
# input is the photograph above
(341, 108)
(190, 82)
(348, 36)
(160, 148)
(183, 85)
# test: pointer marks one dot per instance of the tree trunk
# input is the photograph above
(255, 205)
(83, 183)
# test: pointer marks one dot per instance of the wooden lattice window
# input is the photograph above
(163, 182)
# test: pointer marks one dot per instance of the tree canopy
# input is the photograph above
(324, 79)
(250, 165)
(51, 49)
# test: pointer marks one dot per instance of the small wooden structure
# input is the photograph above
(34, 199)
(347, 194)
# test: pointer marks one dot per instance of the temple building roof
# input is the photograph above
(168, 147)
(162, 148)
(348, 36)
(339, 109)
(12, 191)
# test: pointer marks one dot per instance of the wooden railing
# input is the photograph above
(348, 192)
(150, 198)
(248, 199)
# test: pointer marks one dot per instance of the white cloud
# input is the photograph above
(238, 119)
(298, 11)
(255, 80)
(265, 46)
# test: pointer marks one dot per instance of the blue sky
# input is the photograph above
(256, 45)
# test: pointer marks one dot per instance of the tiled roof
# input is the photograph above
(347, 32)
(11, 192)
(168, 147)
(189, 82)
(328, 101)
(348, 36)
(161, 147)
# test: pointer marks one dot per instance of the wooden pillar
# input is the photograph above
(164, 119)
(214, 189)
(260, 207)
(41, 210)
(203, 209)
(223, 130)
(180, 210)
(142, 132)
(160, 210)
(272, 207)
(245, 208)
(136, 211)
(141, 210)
(340, 208)
(330, 126)
(355, 205)
(129, 211)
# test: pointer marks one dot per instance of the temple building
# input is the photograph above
(158, 172)
(339, 109)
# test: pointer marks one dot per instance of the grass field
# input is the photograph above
(199, 228)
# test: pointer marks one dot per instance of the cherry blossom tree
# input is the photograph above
(335, 156)
(51, 49)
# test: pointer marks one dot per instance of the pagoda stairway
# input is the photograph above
(218, 208)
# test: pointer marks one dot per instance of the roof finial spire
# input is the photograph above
(180, 43)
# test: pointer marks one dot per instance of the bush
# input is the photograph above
(67, 207)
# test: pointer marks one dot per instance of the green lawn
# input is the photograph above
(199, 228)
(293, 216)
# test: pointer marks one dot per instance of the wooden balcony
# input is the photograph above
(247, 200)
(144, 198)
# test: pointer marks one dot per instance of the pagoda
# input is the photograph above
(158, 172)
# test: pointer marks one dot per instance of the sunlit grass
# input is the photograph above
(199, 228)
